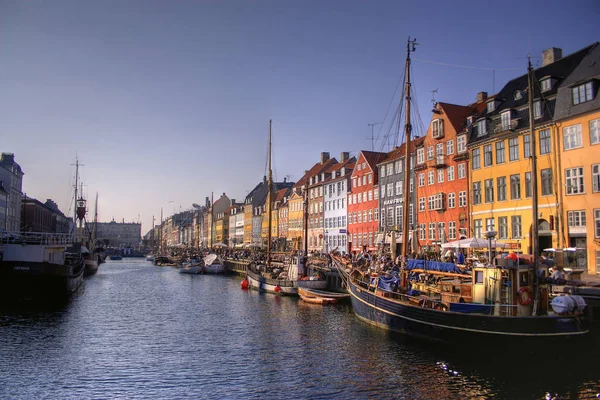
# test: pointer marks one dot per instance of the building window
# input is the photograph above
(376, 214)
(389, 169)
(382, 171)
(430, 153)
(516, 227)
(502, 228)
(487, 155)
(452, 230)
(489, 224)
(398, 188)
(515, 187)
(440, 175)
(437, 128)
(397, 167)
(439, 149)
(462, 198)
(505, 120)
(430, 178)
(451, 173)
(477, 228)
(476, 193)
(482, 127)
(420, 156)
(583, 93)
(390, 190)
(545, 145)
(576, 218)
(461, 144)
(490, 106)
(489, 190)
(421, 180)
(390, 216)
(421, 203)
(431, 231)
(375, 193)
(595, 131)
(450, 147)
(574, 180)
(500, 154)
(545, 85)
(527, 184)
(451, 200)
(476, 159)
(572, 137)
(461, 171)
(597, 224)
(501, 182)
(537, 109)
(513, 149)
(546, 175)
(596, 178)
(526, 146)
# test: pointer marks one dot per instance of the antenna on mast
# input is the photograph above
(433, 92)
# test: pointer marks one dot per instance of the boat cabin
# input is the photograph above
(507, 286)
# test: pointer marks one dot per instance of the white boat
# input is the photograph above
(150, 258)
(194, 266)
(270, 280)
(213, 264)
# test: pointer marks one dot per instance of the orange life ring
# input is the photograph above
(525, 296)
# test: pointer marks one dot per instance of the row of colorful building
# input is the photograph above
(470, 173)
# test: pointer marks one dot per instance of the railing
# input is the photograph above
(36, 238)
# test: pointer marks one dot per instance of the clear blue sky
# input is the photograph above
(165, 102)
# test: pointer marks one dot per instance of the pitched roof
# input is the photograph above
(373, 158)
(315, 170)
(400, 151)
(457, 115)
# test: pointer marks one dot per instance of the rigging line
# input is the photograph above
(392, 102)
(466, 66)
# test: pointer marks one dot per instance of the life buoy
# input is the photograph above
(525, 296)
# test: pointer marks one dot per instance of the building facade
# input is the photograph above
(11, 176)
(363, 202)
(335, 209)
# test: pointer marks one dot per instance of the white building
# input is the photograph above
(335, 190)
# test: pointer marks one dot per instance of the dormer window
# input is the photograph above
(491, 106)
(546, 84)
(505, 120)
(537, 109)
(437, 128)
(482, 127)
(583, 93)
(469, 121)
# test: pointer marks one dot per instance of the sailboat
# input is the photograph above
(263, 276)
(43, 266)
(386, 302)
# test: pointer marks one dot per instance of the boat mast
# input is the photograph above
(534, 186)
(410, 47)
(96, 217)
(269, 200)
(75, 199)
(160, 245)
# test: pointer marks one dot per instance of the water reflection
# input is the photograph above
(138, 330)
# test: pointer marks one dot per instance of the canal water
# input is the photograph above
(141, 331)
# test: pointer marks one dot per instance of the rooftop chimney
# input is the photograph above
(324, 157)
(481, 97)
(285, 180)
(344, 156)
(551, 55)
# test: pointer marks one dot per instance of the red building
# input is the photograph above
(442, 174)
(363, 202)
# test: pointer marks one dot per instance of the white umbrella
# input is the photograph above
(473, 243)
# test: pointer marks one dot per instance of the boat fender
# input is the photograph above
(277, 289)
(245, 284)
(525, 296)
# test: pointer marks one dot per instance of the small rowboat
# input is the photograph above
(318, 300)
(321, 296)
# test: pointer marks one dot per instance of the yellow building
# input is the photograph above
(295, 235)
(577, 118)
(500, 189)
(248, 223)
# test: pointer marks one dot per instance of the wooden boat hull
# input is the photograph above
(193, 270)
(323, 293)
(454, 327)
(317, 300)
(91, 266)
(215, 269)
(281, 287)
(308, 284)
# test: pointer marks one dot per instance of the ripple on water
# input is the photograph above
(141, 331)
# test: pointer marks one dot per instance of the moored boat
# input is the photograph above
(321, 296)
(45, 266)
(194, 266)
(501, 303)
(213, 264)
